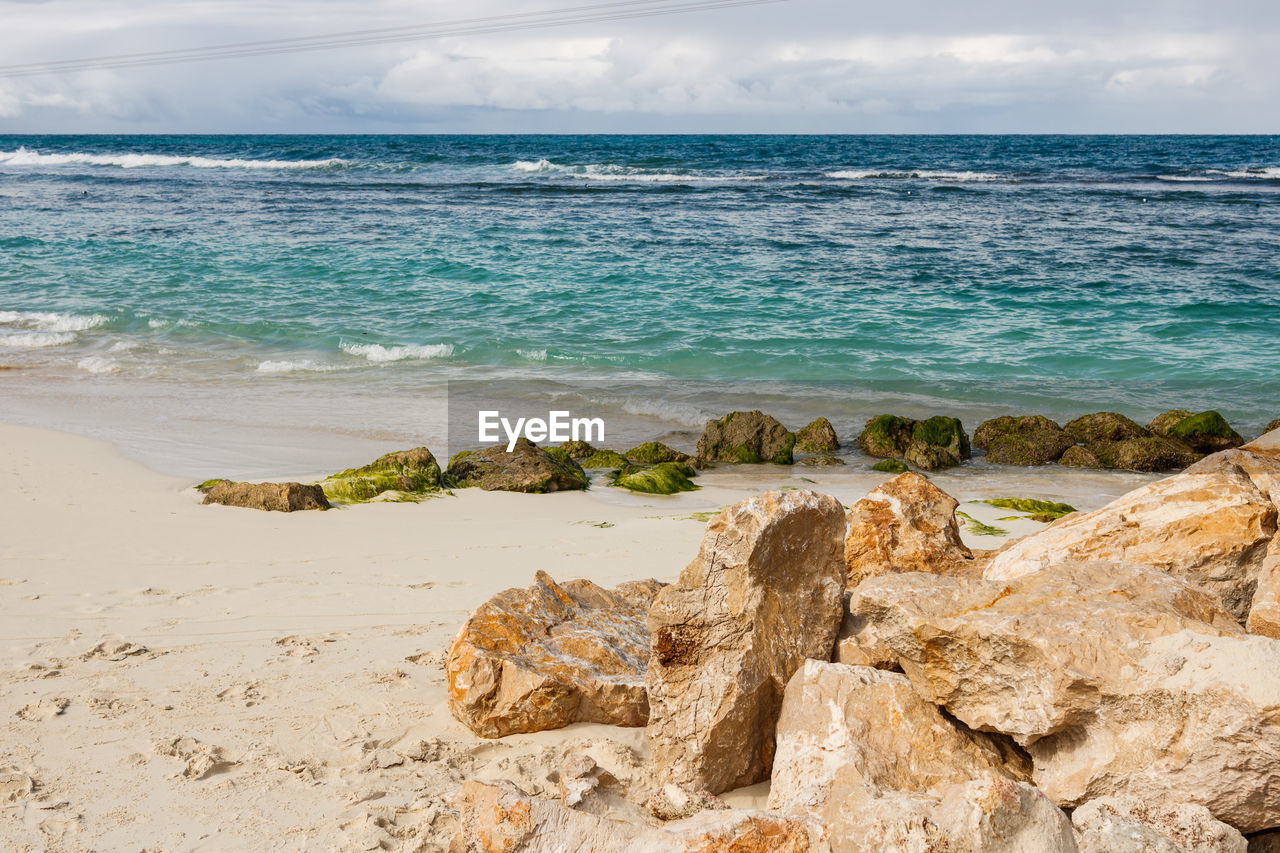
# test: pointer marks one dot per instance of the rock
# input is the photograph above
(273, 497)
(1266, 842)
(655, 452)
(1118, 680)
(891, 466)
(817, 437)
(404, 475)
(666, 478)
(746, 437)
(822, 459)
(676, 802)
(1029, 440)
(861, 752)
(1210, 525)
(550, 655)
(585, 786)
(1274, 425)
(905, 525)
(605, 459)
(1103, 427)
(1125, 825)
(763, 594)
(1151, 453)
(1264, 611)
(1206, 432)
(938, 442)
(578, 450)
(500, 818)
(527, 468)
(1080, 457)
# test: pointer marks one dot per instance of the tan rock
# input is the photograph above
(1266, 842)
(1118, 680)
(905, 525)
(1210, 525)
(1264, 612)
(550, 655)
(763, 594)
(676, 802)
(860, 751)
(273, 497)
(500, 818)
(1125, 825)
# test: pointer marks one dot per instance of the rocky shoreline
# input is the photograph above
(1108, 684)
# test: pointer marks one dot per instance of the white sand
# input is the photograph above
(181, 677)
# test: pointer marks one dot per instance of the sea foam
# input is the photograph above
(48, 321)
(26, 157)
(908, 174)
(380, 354)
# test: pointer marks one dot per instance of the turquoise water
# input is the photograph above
(975, 274)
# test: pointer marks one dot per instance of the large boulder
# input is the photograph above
(1103, 427)
(1126, 825)
(1210, 525)
(817, 437)
(746, 437)
(905, 525)
(1118, 442)
(500, 818)
(1264, 612)
(1119, 680)
(654, 453)
(862, 752)
(938, 442)
(527, 468)
(403, 475)
(763, 594)
(273, 497)
(1206, 432)
(553, 654)
(1029, 440)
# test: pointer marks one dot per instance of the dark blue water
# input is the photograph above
(1062, 274)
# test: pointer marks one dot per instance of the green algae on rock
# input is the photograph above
(665, 478)
(1271, 426)
(527, 468)
(1035, 507)
(578, 450)
(1103, 427)
(936, 442)
(1080, 457)
(606, 459)
(817, 437)
(1206, 432)
(820, 460)
(1026, 440)
(655, 452)
(403, 475)
(1151, 453)
(747, 437)
(980, 528)
(891, 466)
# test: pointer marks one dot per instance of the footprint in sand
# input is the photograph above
(434, 659)
(109, 708)
(248, 693)
(44, 709)
(15, 785)
(200, 760)
(298, 647)
(115, 649)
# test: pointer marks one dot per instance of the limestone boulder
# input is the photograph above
(746, 437)
(527, 468)
(1029, 440)
(272, 497)
(905, 525)
(1264, 612)
(1126, 825)
(500, 818)
(1211, 525)
(938, 442)
(550, 655)
(763, 595)
(817, 437)
(1117, 679)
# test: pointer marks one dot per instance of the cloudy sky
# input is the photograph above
(838, 66)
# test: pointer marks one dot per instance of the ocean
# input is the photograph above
(215, 300)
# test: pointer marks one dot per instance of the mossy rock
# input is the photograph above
(1039, 510)
(1271, 426)
(1028, 440)
(527, 468)
(1161, 424)
(891, 466)
(654, 453)
(606, 459)
(578, 450)
(209, 484)
(1080, 457)
(936, 442)
(411, 474)
(1104, 427)
(821, 460)
(1152, 453)
(272, 497)
(817, 437)
(666, 478)
(1206, 432)
(747, 437)
(886, 436)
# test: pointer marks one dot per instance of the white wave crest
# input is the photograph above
(35, 340)
(534, 166)
(1187, 179)
(26, 157)
(97, 364)
(47, 321)
(532, 354)
(300, 366)
(380, 354)
(601, 172)
(916, 174)
(1266, 173)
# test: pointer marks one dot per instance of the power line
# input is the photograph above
(596, 13)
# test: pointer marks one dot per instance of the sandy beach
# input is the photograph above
(183, 677)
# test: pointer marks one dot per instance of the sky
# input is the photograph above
(797, 66)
